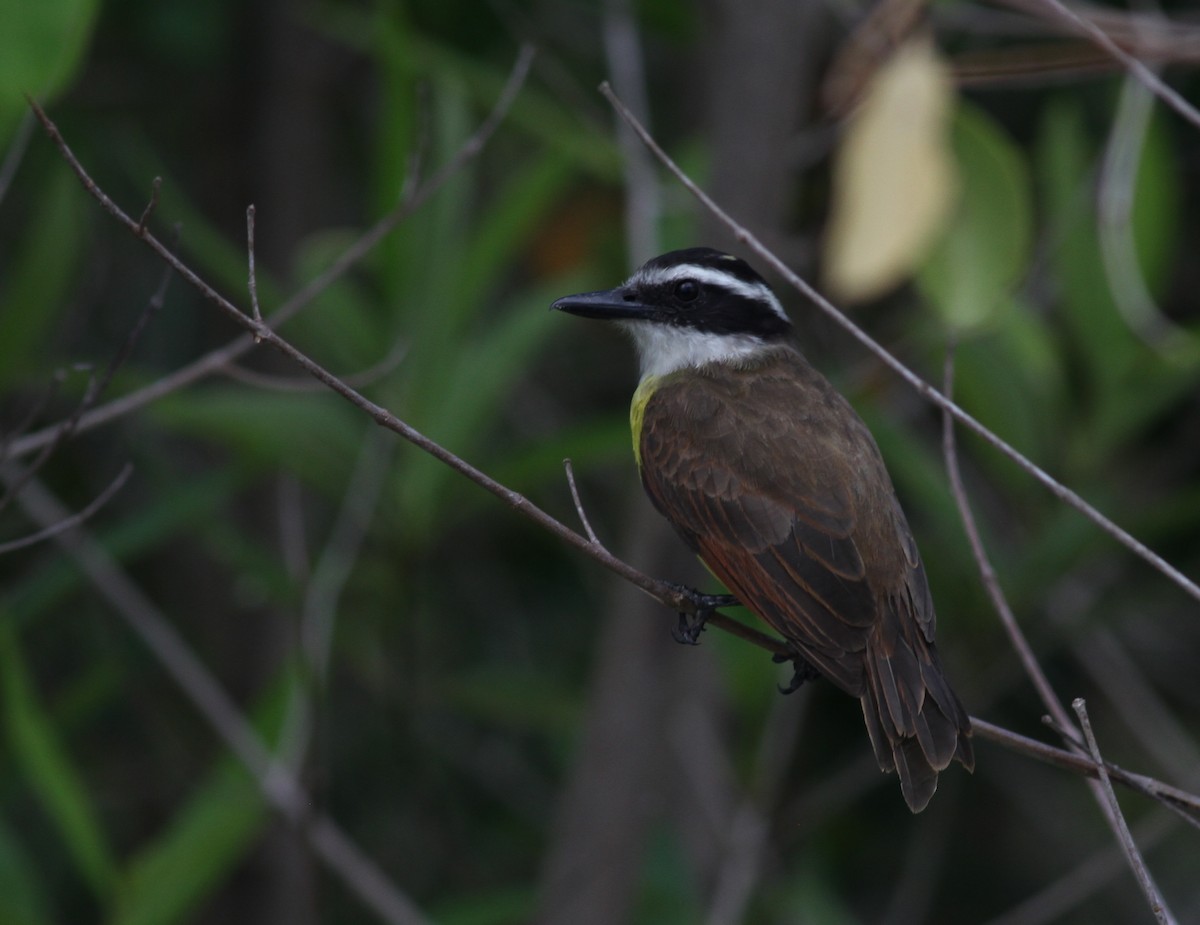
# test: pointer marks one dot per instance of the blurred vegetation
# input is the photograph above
(446, 711)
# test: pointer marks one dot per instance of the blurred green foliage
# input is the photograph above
(448, 718)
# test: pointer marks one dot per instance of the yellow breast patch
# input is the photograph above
(637, 412)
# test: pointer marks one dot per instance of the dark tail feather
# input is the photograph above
(916, 723)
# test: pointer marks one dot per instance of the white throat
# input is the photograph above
(664, 349)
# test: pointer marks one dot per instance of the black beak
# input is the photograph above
(618, 304)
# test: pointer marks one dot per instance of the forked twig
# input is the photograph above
(74, 519)
(583, 517)
(987, 573)
(1156, 85)
(1119, 826)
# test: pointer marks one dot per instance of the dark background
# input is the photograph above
(504, 729)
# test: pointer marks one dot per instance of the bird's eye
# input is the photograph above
(687, 290)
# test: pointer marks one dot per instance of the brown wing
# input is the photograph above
(783, 494)
(769, 489)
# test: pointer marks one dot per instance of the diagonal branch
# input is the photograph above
(411, 199)
(279, 787)
(923, 388)
(1119, 826)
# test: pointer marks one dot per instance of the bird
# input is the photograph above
(770, 476)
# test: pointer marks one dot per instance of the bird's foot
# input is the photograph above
(802, 671)
(691, 625)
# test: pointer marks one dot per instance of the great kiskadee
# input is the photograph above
(770, 476)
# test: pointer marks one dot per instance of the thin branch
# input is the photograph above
(217, 359)
(278, 786)
(63, 431)
(155, 192)
(359, 380)
(583, 517)
(1148, 718)
(252, 282)
(1135, 67)
(1119, 826)
(1184, 804)
(987, 573)
(73, 520)
(923, 388)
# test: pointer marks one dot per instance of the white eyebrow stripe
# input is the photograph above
(759, 292)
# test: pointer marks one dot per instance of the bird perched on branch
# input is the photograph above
(770, 476)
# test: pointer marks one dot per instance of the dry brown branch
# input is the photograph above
(252, 282)
(62, 432)
(1119, 826)
(1101, 788)
(579, 509)
(74, 519)
(1087, 27)
(987, 574)
(360, 379)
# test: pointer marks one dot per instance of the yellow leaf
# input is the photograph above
(894, 179)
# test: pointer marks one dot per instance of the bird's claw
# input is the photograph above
(802, 672)
(687, 631)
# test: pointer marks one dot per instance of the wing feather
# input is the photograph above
(781, 494)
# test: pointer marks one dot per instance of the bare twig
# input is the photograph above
(96, 385)
(1135, 67)
(279, 787)
(1148, 718)
(1119, 825)
(923, 388)
(217, 359)
(359, 380)
(73, 520)
(1185, 805)
(155, 192)
(252, 282)
(987, 574)
(583, 517)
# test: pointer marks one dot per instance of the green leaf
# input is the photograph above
(49, 771)
(479, 381)
(41, 47)
(1065, 161)
(199, 848)
(43, 267)
(309, 432)
(1157, 205)
(972, 271)
(23, 900)
(495, 907)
